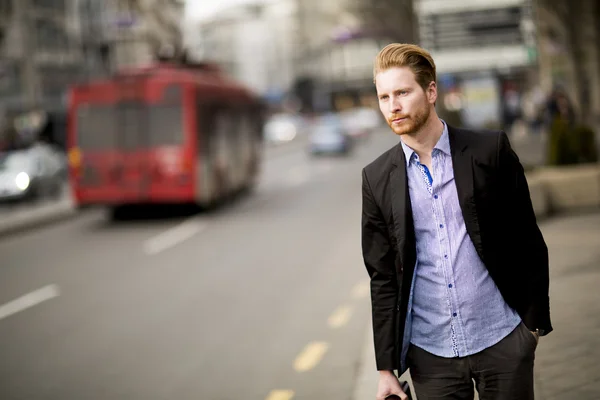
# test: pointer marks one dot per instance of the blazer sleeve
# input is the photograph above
(528, 237)
(379, 258)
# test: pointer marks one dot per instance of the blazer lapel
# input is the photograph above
(462, 163)
(402, 213)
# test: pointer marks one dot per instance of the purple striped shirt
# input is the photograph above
(455, 308)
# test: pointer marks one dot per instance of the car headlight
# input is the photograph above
(22, 180)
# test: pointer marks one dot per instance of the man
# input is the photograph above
(458, 265)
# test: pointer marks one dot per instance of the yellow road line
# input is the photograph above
(340, 317)
(281, 395)
(310, 356)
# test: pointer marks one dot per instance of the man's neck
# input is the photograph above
(423, 141)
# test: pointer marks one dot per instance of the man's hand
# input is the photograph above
(389, 385)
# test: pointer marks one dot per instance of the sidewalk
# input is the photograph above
(530, 147)
(25, 216)
(566, 359)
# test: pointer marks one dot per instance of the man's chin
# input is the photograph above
(401, 132)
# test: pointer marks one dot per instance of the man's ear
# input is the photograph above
(432, 92)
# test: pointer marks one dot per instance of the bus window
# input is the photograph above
(234, 120)
(165, 119)
(96, 127)
(206, 128)
(130, 121)
(222, 136)
(165, 125)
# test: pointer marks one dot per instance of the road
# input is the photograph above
(264, 298)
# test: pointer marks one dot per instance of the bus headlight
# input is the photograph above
(22, 181)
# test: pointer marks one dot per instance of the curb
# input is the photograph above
(39, 217)
(556, 190)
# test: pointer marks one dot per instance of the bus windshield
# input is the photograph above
(129, 125)
(132, 124)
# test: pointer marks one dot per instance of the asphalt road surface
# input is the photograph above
(264, 298)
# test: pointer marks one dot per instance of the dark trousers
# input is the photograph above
(501, 372)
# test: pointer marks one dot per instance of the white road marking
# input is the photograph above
(340, 317)
(361, 289)
(281, 395)
(174, 236)
(29, 300)
(310, 356)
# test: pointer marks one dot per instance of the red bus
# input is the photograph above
(163, 134)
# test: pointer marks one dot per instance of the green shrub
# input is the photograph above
(585, 138)
(571, 145)
(559, 146)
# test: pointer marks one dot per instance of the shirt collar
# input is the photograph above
(442, 145)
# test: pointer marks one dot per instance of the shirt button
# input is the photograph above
(445, 255)
(454, 315)
(450, 286)
(441, 225)
(435, 197)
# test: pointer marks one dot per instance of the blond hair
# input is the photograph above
(407, 55)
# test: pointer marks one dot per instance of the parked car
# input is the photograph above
(283, 127)
(31, 173)
(329, 136)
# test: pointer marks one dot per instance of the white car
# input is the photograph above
(282, 128)
(30, 173)
(329, 136)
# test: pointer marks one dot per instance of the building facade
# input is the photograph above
(568, 37)
(39, 52)
(307, 47)
(485, 54)
(252, 43)
(119, 34)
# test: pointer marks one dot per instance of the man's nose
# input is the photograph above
(395, 107)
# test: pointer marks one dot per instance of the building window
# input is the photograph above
(10, 80)
(5, 9)
(55, 80)
(50, 36)
(58, 5)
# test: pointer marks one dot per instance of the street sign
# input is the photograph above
(125, 20)
(475, 28)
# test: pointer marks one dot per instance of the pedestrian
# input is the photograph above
(458, 265)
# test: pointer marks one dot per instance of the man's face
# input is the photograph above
(402, 101)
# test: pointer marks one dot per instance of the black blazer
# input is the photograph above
(499, 217)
